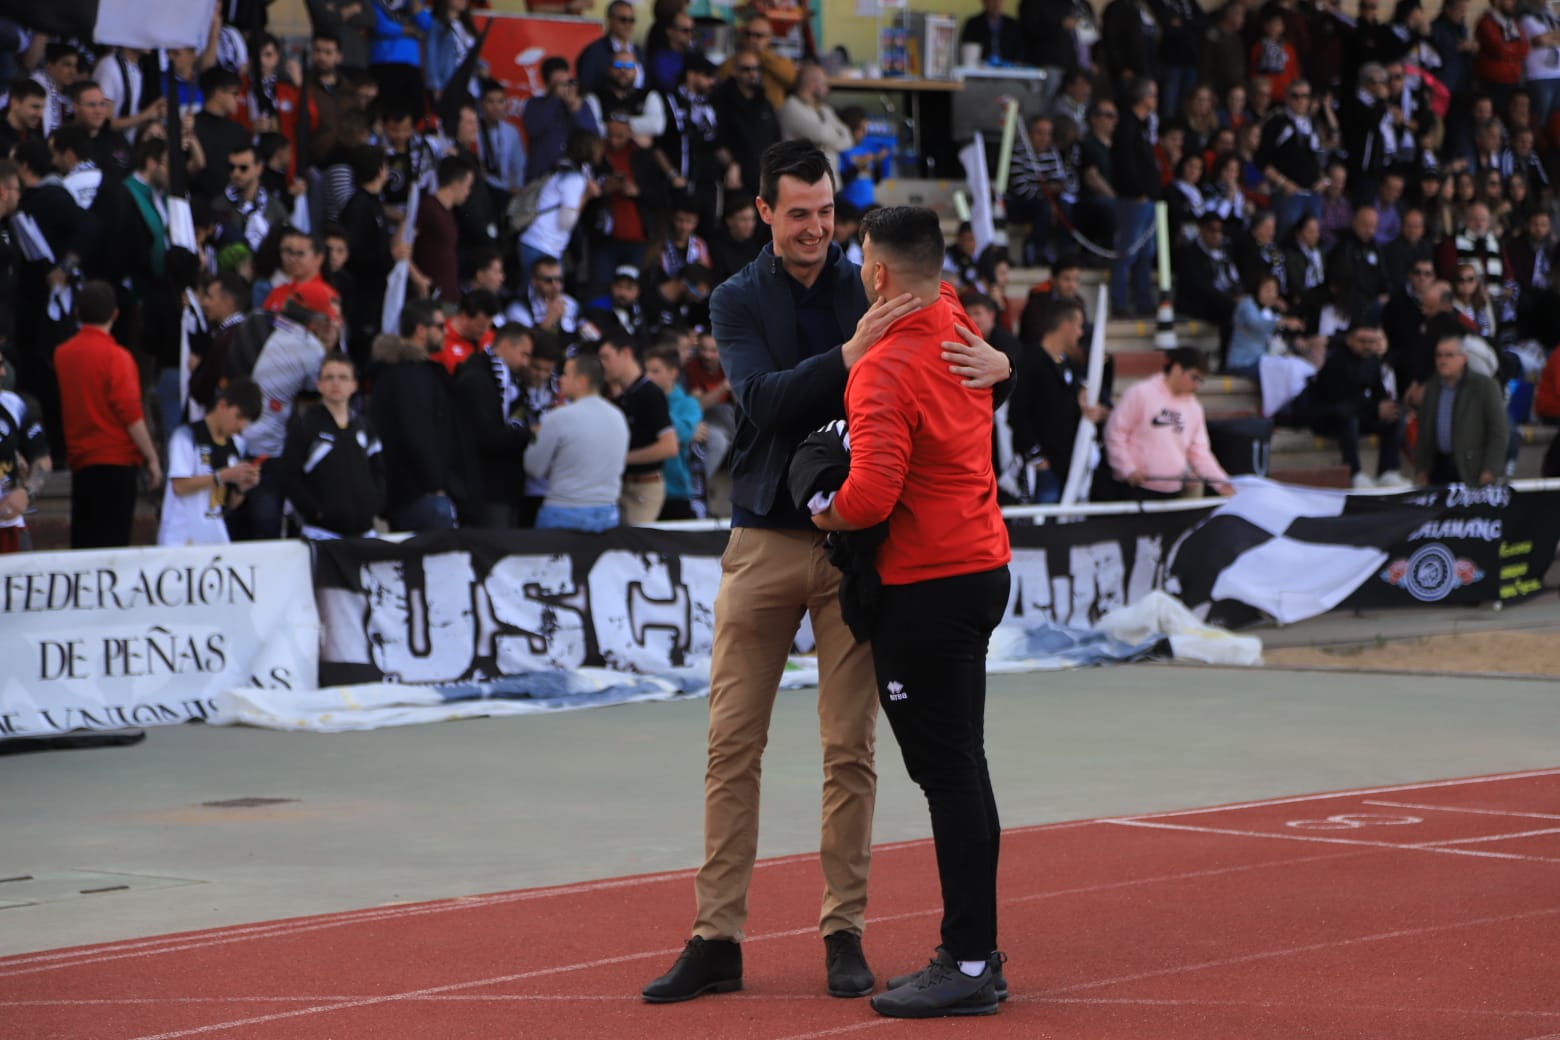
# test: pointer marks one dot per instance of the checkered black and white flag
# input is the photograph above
(1287, 552)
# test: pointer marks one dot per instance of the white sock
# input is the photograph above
(972, 968)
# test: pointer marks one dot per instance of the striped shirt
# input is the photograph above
(1033, 171)
(288, 364)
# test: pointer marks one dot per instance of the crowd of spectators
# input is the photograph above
(1346, 193)
(1346, 189)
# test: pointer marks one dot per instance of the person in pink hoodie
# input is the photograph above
(1157, 439)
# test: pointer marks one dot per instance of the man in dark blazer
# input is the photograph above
(594, 65)
(491, 403)
(1000, 36)
(789, 326)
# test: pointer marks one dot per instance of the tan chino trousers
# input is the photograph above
(769, 578)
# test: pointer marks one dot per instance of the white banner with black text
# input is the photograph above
(125, 638)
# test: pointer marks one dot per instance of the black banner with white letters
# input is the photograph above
(1490, 544)
(465, 605)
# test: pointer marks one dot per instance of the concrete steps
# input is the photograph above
(1298, 456)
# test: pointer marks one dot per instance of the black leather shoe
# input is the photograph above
(849, 975)
(999, 980)
(705, 966)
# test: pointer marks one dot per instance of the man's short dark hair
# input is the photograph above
(911, 235)
(243, 394)
(25, 87)
(544, 346)
(76, 140)
(553, 64)
(95, 303)
(366, 162)
(667, 353)
(57, 50)
(240, 150)
(218, 78)
(453, 167)
(148, 149)
(1188, 358)
(550, 261)
(588, 367)
(80, 87)
(1056, 311)
(513, 330)
(416, 314)
(478, 258)
(800, 159)
(977, 299)
(315, 242)
(480, 301)
(326, 36)
(35, 156)
(232, 285)
(269, 144)
(489, 85)
(339, 357)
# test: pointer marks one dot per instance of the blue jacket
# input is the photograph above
(686, 417)
(1252, 330)
(442, 56)
(780, 400)
(390, 45)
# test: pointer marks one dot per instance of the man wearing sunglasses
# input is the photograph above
(754, 38)
(595, 61)
(626, 91)
(245, 211)
(1290, 157)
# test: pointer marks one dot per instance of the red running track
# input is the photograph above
(1422, 912)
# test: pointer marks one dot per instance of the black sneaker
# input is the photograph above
(849, 975)
(705, 966)
(996, 961)
(940, 990)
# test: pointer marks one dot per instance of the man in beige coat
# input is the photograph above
(806, 116)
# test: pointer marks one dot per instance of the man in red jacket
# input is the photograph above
(1502, 50)
(920, 445)
(106, 441)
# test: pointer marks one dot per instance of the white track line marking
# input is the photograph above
(187, 940)
(1232, 832)
(1041, 998)
(97, 952)
(1476, 812)
(790, 997)
(839, 1030)
(306, 925)
(1403, 933)
(1426, 786)
(1487, 837)
(331, 1005)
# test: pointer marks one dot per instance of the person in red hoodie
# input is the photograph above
(920, 443)
(106, 440)
(1502, 51)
